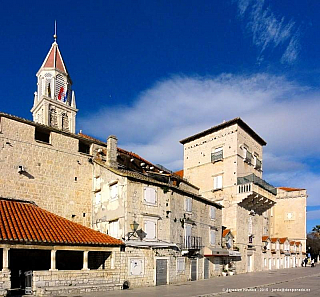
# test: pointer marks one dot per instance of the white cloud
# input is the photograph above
(313, 215)
(270, 31)
(283, 112)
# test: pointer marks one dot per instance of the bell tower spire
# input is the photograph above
(54, 102)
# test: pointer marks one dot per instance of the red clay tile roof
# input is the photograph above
(225, 232)
(274, 239)
(179, 173)
(265, 238)
(282, 240)
(54, 59)
(24, 222)
(298, 243)
(88, 137)
(292, 242)
(290, 189)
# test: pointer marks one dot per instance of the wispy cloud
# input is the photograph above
(283, 112)
(270, 31)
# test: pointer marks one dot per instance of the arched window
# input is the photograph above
(60, 87)
(53, 117)
(65, 122)
(47, 84)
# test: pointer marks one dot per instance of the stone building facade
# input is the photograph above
(226, 163)
(51, 167)
(175, 223)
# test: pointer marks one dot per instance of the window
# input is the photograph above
(217, 154)
(136, 267)
(113, 188)
(212, 236)
(150, 195)
(257, 163)
(247, 156)
(289, 216)
(212, 212)
(188, 204)
(84, 147)
(42, 135)
(268, 245)
(98, 197)
(150, 227)
(217, 182)
(113, 229)
(181, 264)
(277, 245)
(96, 184)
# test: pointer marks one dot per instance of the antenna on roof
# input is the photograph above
(55, 31)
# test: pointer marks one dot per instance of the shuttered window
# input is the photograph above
(180, 265)
(150, 229)
(212, 237)
(150, 195)
(188, 204)
(114, 229)
(212, 212)
(113, 191)
(217, 182)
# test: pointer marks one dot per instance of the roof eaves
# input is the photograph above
(223, 125)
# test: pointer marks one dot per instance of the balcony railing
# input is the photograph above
(216, 156)
(191, 242)
(252, 178)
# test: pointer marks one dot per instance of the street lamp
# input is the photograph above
(134, 227)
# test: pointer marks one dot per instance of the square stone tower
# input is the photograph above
(225, 162)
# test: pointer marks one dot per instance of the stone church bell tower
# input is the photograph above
(54, 101)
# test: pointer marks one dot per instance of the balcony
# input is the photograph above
(244, 182)
(216, 156)
(191, 242)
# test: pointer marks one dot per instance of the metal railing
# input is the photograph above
(252, 178)
(191, 242)
(216, 156)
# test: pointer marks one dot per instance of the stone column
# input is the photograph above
(53, 261)
(5, 259)
(85, 260)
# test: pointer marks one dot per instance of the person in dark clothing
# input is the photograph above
(305, 262)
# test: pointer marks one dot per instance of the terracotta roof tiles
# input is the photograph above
(265, 238)
(24, 222)
(290, 189)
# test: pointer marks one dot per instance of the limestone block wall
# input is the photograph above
(107, 209)
(288, 218)
(74, 282)
(242, 240)
(197, 160)
(56, 176)
(245, 140)
(5, 283)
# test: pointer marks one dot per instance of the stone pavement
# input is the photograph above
(301, 281)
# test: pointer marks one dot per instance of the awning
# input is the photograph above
(215, 252)
(150, 244)
(234, 254)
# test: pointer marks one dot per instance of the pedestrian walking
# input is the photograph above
(305, 262)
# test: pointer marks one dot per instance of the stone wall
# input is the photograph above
(56, 176)
(74, 282)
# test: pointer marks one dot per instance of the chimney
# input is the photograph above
(112, 151)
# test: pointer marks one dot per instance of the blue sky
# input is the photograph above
(155, 72)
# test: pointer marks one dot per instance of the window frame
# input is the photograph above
(218, 182)
(146, 189)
